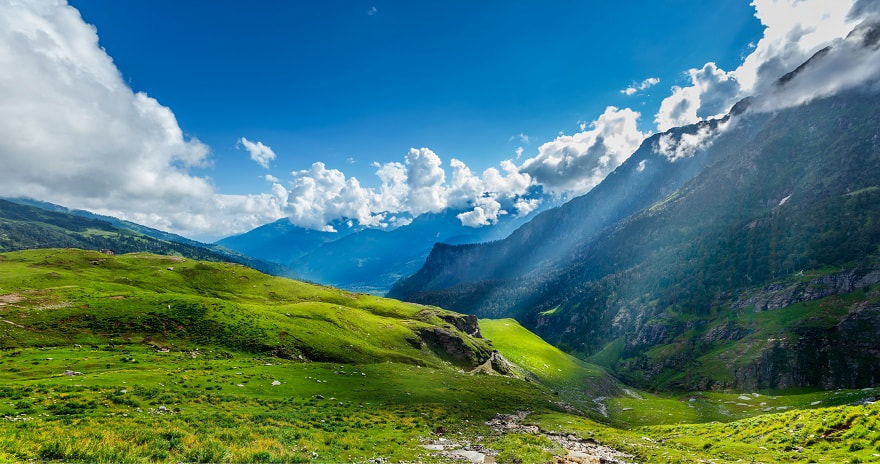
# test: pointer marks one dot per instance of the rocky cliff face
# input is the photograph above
(781, 295)
(467, 323)
(846, 355)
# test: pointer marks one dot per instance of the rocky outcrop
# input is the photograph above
(455, 347)
(499, 365)
(781, 295)
(467, 323)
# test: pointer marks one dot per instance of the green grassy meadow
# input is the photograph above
(147, 358)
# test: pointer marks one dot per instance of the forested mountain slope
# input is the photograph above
(785, 215)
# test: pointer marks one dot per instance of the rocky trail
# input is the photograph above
(578, 450)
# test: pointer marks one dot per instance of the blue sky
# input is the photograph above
(328, 81)
(211, 118)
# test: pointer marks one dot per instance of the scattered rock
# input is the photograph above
(275, 383)
(162, 410)
(475, 457)
(69, 372)
(865, 401)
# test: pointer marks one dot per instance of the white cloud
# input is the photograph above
(260, 153)
(465, 186)
(509, 185)
(320, 195)
(794, 31)
(418, 186)
(641, 166)
(486, 212)
(73, 132)
(524, 206)
(849, 63)
(640, 86)
(394, 189)
(712, 92)
(684, 145)
(372, 11)
(573, 164)
(425, 179)
(271, 178)
(519, 152)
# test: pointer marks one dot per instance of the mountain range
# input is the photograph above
(361, 259)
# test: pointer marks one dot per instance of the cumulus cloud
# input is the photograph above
(425, 179)
(573, 164)
(636, 87)
(684, 145)
(320, 195)
(486, 212)
(260, 153)
(794, 30)
(524, 206)
(73, 132)
(417, 186)
(710, 95)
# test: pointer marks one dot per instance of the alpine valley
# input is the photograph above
(713, 297)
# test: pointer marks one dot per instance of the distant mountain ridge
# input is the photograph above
(358, 258)
(27, 223)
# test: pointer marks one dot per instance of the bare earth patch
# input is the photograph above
(11, 298)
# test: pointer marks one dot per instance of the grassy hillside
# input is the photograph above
(27, 224)
(24, 226)
(65, 297)
(147, 358)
